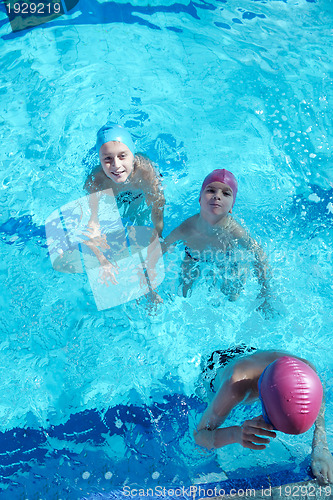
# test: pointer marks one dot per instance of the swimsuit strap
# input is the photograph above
(128, 196)
(189, 254)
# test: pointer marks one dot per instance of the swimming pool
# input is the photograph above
(94, 400)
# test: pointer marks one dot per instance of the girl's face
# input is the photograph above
(217, 199)
(117, 161)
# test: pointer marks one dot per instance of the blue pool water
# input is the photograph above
(95, 400)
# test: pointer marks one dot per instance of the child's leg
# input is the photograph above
(233, 282)
(231, 290)
(190, 271)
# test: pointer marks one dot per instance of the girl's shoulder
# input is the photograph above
(237, 230)
(143, 165)
(146, 175)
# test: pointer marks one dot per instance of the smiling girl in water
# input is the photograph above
(132, 179)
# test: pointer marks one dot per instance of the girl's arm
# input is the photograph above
(321, 458)
(93, 223)
(154, 252)
(253, 434)
(157, 203)
(189, 273)
(264, 274)
(97, 241)
(217, 438)
(261, 268)
(152, 188)
(207, 434)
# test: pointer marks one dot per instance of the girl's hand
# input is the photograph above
(251, 432)
(93, 229)
(96, 238)
(322, 464)
(107, 274)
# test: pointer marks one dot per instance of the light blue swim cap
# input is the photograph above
(111, 131)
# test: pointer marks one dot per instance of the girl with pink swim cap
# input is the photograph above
(292, 401)
(213, 235)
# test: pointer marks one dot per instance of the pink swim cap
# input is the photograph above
(291, 394)
(224, 176)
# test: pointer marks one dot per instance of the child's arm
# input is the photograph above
(151, 185)
(93, 224)
(207, 433)
(261, 267)
(217, 438)
(153, 252)
(321, 458)
(107, 270)
(263, 272)
(93, 186)
(156, 201)
(95, 180)
(97, 241)
(249, 434)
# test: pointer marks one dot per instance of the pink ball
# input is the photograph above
(292, 393)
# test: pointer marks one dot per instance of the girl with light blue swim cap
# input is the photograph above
(130, 175)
